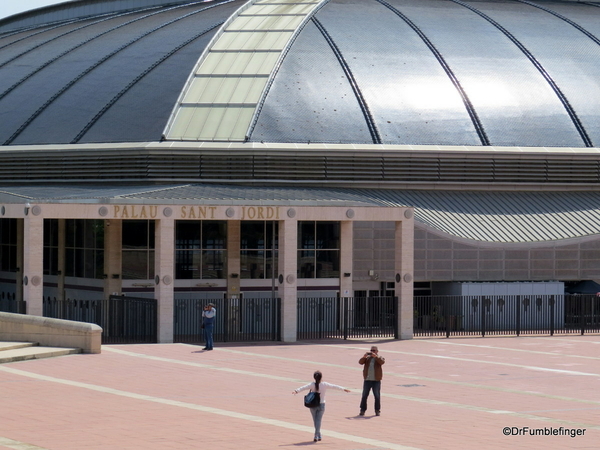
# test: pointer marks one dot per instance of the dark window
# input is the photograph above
(8, 245)
(84, 248)
(318, 249)
(200, 249)
(50, 246)
(258, 250)
(138, 250)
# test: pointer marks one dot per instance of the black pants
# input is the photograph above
(367, 386)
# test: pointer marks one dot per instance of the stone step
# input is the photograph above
(34, 352)
(15, 345)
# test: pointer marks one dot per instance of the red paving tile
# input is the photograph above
(436, 394)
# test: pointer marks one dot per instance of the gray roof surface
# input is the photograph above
(415, 72)
(501, 217)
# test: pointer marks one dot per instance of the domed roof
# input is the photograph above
(406, 72)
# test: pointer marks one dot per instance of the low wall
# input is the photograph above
(50, 332)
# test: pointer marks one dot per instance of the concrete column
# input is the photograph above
(288, 268)
(33, 264)
(113, 233)
(404, 266)
(62, 239)
(346, 252)
(164, 269)
(233, 258)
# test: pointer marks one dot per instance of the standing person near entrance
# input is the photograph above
(318, 411)
(208, 323)
(372, 374)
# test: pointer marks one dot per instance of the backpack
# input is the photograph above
(312, 399)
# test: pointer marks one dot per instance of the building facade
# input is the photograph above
(298, 148)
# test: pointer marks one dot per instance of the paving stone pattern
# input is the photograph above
(436, 394)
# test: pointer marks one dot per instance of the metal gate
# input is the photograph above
(124, 320)
(237, 320)
(10, 304)
(347, 317)
(506, 315)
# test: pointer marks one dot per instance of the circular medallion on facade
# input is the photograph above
(407, 277)
(103, 211)
(25, 280)
(290, 278)
(397, 278)
(350, 213)
(167, 279)
(280, 279)
(36, 210)
(408, 213)
(291, 213)
(35, 280)
(157, 279)
(167, 212)
(230, 212)
(3, 210)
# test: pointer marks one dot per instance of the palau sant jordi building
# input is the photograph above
(303, 149)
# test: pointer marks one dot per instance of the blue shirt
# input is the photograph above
(208, 317)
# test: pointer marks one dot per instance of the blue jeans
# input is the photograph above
(208, 335)
(367, 386)
(317, 415)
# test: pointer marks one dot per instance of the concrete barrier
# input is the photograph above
(51, 332)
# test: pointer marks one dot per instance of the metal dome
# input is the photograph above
(400, 72)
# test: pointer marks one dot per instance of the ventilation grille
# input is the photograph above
(298, 166)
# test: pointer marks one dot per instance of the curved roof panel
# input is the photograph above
(219, 103)
(493, 217)
(110, 79)
(402, 72)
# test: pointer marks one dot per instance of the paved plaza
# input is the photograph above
(471, 393)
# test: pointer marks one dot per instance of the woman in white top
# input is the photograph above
(318, 411)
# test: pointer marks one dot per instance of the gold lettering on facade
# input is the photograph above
(195, 212)
(260, 212)
(198, 212)
(135, 212)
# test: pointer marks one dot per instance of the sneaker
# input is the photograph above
(362, 412)
(377, 413)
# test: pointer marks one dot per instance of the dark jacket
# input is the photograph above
(379, 361)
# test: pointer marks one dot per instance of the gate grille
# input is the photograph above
(237, 320)
(347, 317)
(124, 320)
(506, 315)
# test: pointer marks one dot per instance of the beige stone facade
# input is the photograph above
(165, 216)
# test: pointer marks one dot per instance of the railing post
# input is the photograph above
(226, 317)
(482, 304)
(279, 319)
(345, 317)
(518, 315)
(395, 310)
(447, 319)
(320, 316)
(551, 303)
(582, 314)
